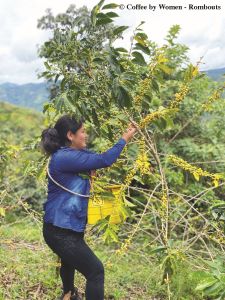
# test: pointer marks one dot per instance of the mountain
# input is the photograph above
(33, 95)
(215, 74)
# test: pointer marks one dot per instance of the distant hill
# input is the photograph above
(215, 74)
(19, 123)
(33, 95)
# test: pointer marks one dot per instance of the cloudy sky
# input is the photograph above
(201, 30)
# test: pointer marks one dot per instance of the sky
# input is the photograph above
(201, 30)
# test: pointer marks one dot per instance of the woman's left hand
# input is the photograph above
(93, 173)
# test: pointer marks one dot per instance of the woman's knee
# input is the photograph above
(98, 272)
(101, 268)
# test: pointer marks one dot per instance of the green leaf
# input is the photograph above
(112, 59)
(101, 2)
(103, 21)
(128, 203)
(119, 29)
(146, 100)
(47, 65)
(158, 249)
(46, 105)
(214, 289)
(139, 179)
(142, 35)
(101, 16)
(140, 40)
(68, 103)
(129, 75)
(62, 84)
(46, 74)
(110, 133)
(95, 117)
(169, 122)
(123, 97)
(218, 204)
(84, 175)
(101, 224)
(110, 5)
(106, 236)
(221, 297)
(202, 286)
(113, 235)
(155, 85)
(112, 14)
(120, 49)
(160, 124)
(125, 212)
(145, 49)
(128, 84)
(95, 11)
(56, 77)
(98, 59)
(139, 59)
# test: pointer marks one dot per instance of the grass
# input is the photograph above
(28, 270)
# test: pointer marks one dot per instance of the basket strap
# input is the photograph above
(62, 185)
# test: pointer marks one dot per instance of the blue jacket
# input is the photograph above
(63, 208)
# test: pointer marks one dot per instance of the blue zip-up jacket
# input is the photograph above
(63, 208)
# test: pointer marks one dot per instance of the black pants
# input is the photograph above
(75, 254)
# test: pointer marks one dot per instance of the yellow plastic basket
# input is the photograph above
(99, 208)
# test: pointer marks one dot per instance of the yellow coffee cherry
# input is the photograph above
(179, 96)
(142, 160)
(197, 172)
(208, 105)
(155, 115)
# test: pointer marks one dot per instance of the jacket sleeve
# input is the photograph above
(81, 161)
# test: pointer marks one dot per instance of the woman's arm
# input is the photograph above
(72, 160)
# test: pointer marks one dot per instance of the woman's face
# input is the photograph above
(78, 139)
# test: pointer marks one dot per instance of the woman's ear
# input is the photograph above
(69, 135)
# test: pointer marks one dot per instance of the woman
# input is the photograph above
(65, 214)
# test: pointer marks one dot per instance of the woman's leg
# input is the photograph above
(92, 268)
(73, 250)
(67, 275)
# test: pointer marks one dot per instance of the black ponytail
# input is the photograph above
(52, 138)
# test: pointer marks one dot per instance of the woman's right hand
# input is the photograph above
(128, 134)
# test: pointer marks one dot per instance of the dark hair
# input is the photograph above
(52, 138)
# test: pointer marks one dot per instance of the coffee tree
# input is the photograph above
(174, 205)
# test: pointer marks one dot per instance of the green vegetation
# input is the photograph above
(172, 245)
(29, 270)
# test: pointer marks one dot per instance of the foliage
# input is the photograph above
(164, 172)
(149, 84)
